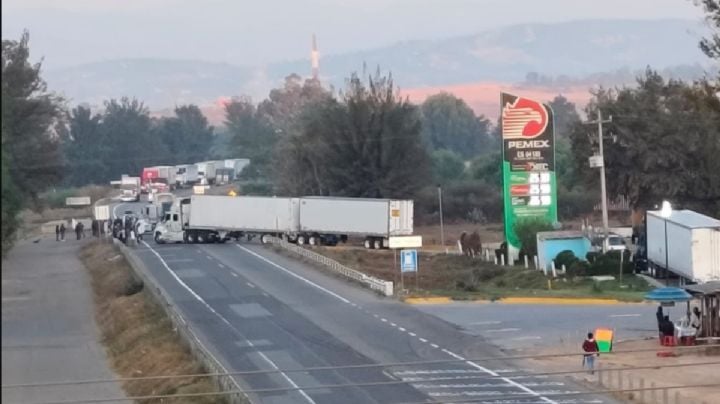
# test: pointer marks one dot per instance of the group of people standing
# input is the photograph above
(128, 229)
(61, 229)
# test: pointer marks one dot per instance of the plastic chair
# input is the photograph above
(668, 340)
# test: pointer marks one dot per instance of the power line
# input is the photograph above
(355, 367)
(279, 390)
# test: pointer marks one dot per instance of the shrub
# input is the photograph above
(591, 256)
(609, 264)
(527, 230)
(578, 268)
(566, 258)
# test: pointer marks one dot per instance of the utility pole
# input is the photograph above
(603, 189)
(442, 229)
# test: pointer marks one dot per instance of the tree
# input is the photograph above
(527, 230)
(187, 136)
(127, 126)
(711, 45)
(31, 155)
(85, 146)
(29, 113)
(566, 116)
(284, 106)
(252, 135)
(365, 144)
(447, 166)
(449, 123)
(666, 139)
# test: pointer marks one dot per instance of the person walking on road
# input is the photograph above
(62, 231)
(57, 232)
(590, 347)
(659, 315)
(78, 229)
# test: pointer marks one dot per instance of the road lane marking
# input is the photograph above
(524, 338)
(503, 330)
(293, 274)
(435, 345)
(402, 329)
(234, 274)
(209, 257)
(485, 322)
(452, 354)
(625, 315)
(221, 265)
(223, 319)
(250, 284)
(393, 325)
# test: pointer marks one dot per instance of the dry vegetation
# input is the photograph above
(138, 335)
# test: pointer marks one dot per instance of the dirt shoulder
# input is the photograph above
(660, 376)
(136, 332)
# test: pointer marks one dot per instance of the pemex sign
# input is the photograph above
(528, 164)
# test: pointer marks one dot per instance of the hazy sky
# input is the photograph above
(69, 32)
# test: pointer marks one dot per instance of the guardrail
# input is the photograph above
(379, 285)
(197, 348)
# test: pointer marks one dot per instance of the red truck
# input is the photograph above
(158, 179)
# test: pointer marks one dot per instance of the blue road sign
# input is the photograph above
(408, 261)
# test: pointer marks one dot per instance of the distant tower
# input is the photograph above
(315, 59)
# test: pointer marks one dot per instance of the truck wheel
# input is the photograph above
(192, 237)
(368, 244)
(158, 240)
(313, 241)
(301, 240)
(264, 239)
(377, 244)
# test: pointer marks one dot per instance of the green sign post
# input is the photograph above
(528, 165)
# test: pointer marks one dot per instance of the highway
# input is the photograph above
(258, 310)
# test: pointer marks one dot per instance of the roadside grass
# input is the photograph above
(138, 335)
(464, 278)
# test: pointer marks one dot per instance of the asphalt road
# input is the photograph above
(526, 326)
(258, 310)
(48, 328)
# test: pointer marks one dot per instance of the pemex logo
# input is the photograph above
(524, 118)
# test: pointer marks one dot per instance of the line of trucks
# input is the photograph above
(167, 178)
(304, 220)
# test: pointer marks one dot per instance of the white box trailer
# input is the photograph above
(206, 172)
(186, 175)
(691, 249)
(374, 219)
(238, 165)
(210, 218)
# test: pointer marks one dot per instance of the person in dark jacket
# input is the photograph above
(78, 230)
(57, 232)
(659, 315)
(591, 349)
(667, 328)
(62, 231)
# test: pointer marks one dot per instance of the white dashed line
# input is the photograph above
(412, 334)
(221, 265)
(435, 345)
(503, 330)
(402, 329)
(485, 322)
(384, 320)
(250, 284)
(234, 274)
(376, 316)
(393, 325)
(209, 257)
(524, 338)
(422, 339)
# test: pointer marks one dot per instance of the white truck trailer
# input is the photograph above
(186, 175)
(206, 172)
(686, 244)
(216, 218)
(327, 220)
(238, 165)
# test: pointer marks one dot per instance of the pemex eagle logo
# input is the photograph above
(524, 118)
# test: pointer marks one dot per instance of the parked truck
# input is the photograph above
(206, 172)
(186, 175)
(327, 220)
(217, 218)
(158, 179)
(130, 188)
(307, 220)
(155, 210)
(237, 166)
(687, 244)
